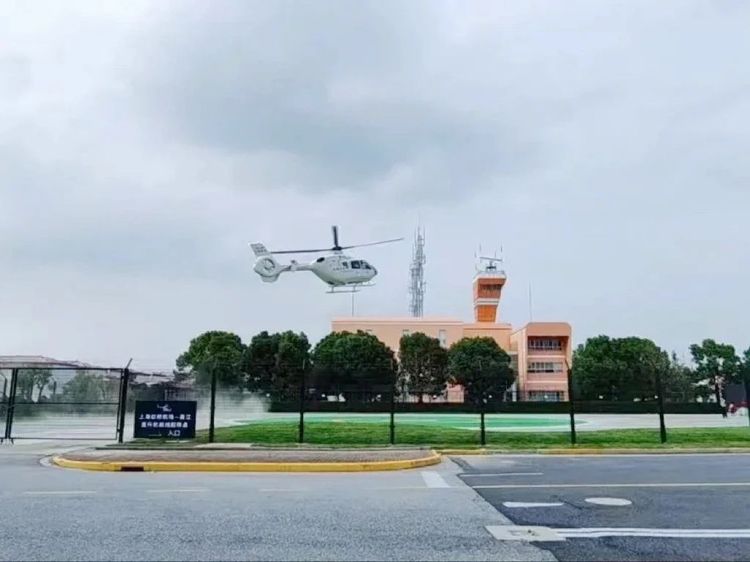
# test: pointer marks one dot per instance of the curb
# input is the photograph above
(594, 451)
(197, 466)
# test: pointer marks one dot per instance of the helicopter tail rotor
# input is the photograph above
(266, 265)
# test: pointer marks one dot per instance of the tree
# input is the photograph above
(679, 383)
(423, 365)
(30, 380)
(214, 352)
(344, 362)
(275, 363)
(716, 365)
(87, 387)
(607, 368)
(482, 367)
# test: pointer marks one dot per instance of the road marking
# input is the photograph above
(524, 533)
(434, 480)
(611, 502)
(550, 534)
(504, 474)
(59, 493)
(533, 504)
(178, 491)
(643, 485)
(599, 532)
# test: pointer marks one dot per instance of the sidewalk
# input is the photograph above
(217, 459)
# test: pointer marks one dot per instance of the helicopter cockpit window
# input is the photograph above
(366, 265)
(356, 265)
(345, 264)
(320, 260)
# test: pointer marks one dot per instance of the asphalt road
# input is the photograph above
(702, 495)
(49, 513)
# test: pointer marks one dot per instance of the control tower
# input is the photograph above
(488, 287)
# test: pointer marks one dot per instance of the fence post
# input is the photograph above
(11, 405)
(660, 401)
(393, 415)
(122, 404)
(301, 430)
(572, 407)
(747, 395)
(483, 437)
(211, 422)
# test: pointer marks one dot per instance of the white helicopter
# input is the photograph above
(336, 269)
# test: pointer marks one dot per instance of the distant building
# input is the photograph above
(538, 350)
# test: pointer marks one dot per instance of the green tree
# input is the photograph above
(716, 364)
(215, 352)
(423, 365)
(89, 387)
(679, 383)
(275, 363)
(30, 380)
(618, 368)
(482, 367)
(346, 362)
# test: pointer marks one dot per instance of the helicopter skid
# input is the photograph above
(349, 289)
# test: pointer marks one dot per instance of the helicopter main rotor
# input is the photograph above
(336, 248)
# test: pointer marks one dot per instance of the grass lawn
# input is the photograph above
(366, 434)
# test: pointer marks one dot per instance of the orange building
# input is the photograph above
(540, 351)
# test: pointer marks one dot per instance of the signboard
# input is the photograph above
(168, 419)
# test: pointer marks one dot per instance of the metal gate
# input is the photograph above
(51, 403)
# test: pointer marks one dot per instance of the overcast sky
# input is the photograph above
(604, 144)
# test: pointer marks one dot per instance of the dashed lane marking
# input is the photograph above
(179, 491)
(504, 474)
(609, 502)
(532, 504)
(59, 492)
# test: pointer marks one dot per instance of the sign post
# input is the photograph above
(168, 419)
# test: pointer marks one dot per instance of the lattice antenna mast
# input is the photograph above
(417, 283)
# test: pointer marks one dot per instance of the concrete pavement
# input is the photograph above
(57, 514)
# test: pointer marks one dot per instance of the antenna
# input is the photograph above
(531, 316)
(417, 283)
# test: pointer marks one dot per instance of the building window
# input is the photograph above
(545, 344)
(443, 338)
(545, 396)
(545, 367)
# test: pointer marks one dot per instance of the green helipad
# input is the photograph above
(457, 421)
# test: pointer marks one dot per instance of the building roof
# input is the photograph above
(21, 361)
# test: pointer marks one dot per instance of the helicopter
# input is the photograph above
(342, 273)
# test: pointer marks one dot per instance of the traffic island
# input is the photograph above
(247, 460)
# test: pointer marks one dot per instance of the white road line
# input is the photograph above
(59, 493)
(533, 504)
(599, 532)
(551, 534)
(642, 485)
(178, 491)
(504, 474)
(434, 480)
